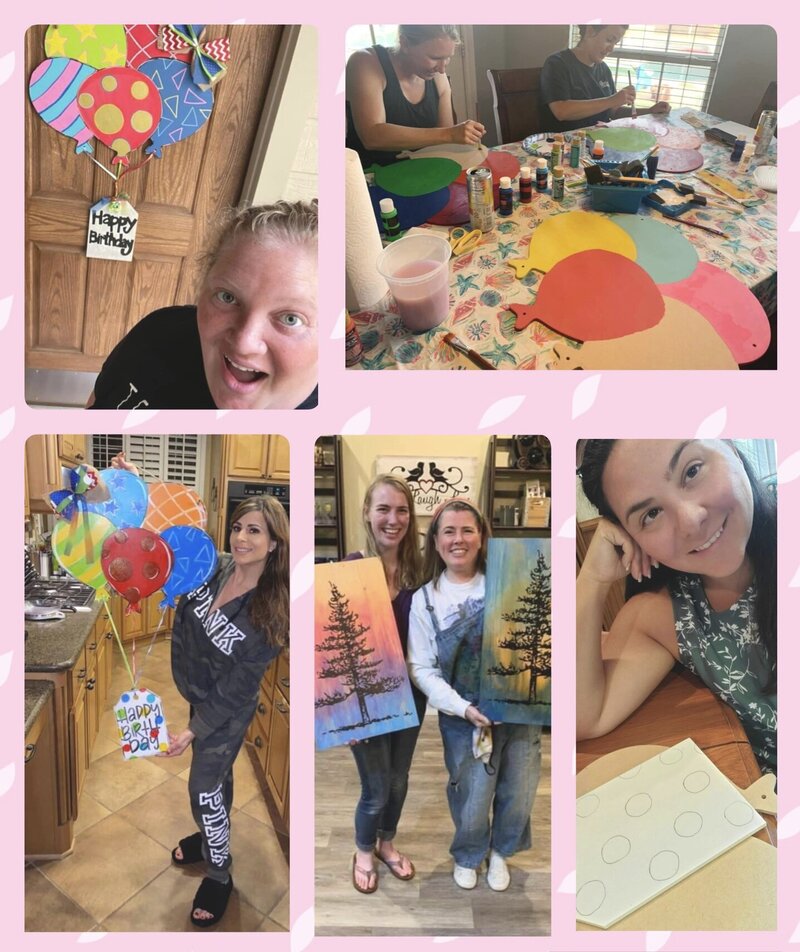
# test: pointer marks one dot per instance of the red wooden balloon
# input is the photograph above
(136, 562)
(122, 108)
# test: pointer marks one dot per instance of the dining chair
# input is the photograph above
(768, 101)
(515, 95)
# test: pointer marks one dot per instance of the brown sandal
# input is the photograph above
(395, 864)
(369, 873)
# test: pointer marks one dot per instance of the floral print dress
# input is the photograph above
(723, 649)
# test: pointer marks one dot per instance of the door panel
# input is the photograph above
(77, 309)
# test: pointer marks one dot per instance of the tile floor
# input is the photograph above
(120, 877)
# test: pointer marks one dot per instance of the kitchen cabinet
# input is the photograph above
(42, 471)
(42, 828)
(72, 448)
(268, 741)
(257, 457)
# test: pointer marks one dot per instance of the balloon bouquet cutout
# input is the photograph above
(123, 85)
(117, 532)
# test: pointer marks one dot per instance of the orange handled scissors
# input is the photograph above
(462, 241)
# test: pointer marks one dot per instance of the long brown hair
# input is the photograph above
(409, 559)
(269, 607)
(434, 566)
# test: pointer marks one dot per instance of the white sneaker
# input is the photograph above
(498, 877)
(465, 877)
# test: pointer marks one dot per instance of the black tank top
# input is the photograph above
(399, 112)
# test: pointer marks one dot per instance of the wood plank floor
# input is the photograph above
(430, 904)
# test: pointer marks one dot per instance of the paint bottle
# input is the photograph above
(575, 150)
(353, 348)
(525, 185)
(506, 194)
(765, 130)
(746, 159)
(391, 223)
(541, 175)
(558, 184)
(556, 151)
(598, 149)
(738, 148)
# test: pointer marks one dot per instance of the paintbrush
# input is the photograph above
(633, 104)
(596, 176)
(474, 356)
(696, 224)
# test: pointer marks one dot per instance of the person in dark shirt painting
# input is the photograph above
(577, 88)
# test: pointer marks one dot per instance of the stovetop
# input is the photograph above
(58, 592)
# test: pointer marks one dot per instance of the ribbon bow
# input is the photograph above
(208, 59)
(66, 502)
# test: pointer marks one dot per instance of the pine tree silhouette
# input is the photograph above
(531, 640)
(348, 658)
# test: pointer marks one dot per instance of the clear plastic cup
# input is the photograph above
(417, 270)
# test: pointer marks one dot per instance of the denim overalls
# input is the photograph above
(507, 785)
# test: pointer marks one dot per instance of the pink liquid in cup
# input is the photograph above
(425, 303)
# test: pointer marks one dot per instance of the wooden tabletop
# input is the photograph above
(682, 706)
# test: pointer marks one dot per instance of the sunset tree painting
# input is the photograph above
(516, 655)
(362, 687)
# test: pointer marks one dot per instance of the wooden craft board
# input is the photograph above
(735, 892)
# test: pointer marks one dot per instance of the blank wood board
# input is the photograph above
(652, 826)
(361, 687)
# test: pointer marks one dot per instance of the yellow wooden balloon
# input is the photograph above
(78, 544)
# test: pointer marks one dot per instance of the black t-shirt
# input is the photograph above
(564, 76)
(158, 365)
(399, 112)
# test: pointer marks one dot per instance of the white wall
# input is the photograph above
(749, 62)
(358, 469)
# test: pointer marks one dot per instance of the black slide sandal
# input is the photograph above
(212, 896)
(192, 849)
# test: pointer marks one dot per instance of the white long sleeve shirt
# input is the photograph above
(451, 601)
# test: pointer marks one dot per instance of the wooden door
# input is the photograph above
(78, 308)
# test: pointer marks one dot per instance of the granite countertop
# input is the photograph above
(55, 645)
(37, 694)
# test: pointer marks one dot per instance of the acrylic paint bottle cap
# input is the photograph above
(558, 171)
(541, 163)
(525, 172)
(599, 145)
(387, 206)
(505, 181)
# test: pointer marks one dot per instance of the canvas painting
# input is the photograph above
(432, 481)
(361, 681)
(515, 659)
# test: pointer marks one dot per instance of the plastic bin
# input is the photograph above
(623, 197)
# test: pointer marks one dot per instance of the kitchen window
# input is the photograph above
(168, 458)
(676, 63)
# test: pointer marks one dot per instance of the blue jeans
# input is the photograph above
(383, 764)
(505, 787)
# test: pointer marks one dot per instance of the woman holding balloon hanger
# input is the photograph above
(225, 634)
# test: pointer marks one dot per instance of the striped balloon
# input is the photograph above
(78, 545)
(53, 89)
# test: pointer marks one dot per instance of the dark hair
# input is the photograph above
(419, 34)
(408, 556)
(761, 546)
(434, 566)
(597, 27)
(269, 607)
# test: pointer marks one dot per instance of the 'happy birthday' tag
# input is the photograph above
(112, 229)
(141, 724)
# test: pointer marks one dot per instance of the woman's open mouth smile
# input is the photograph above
(240, 377)
(712, 540)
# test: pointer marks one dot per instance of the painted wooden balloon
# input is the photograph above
(122, 107)
(142, 45)
(136, 563)
(173, 504)
(53, 88)
(77, 545)
(185, 106)
(99, 45)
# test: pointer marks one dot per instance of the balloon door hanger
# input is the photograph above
(125, 85)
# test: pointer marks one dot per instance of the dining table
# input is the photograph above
(482, 285)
